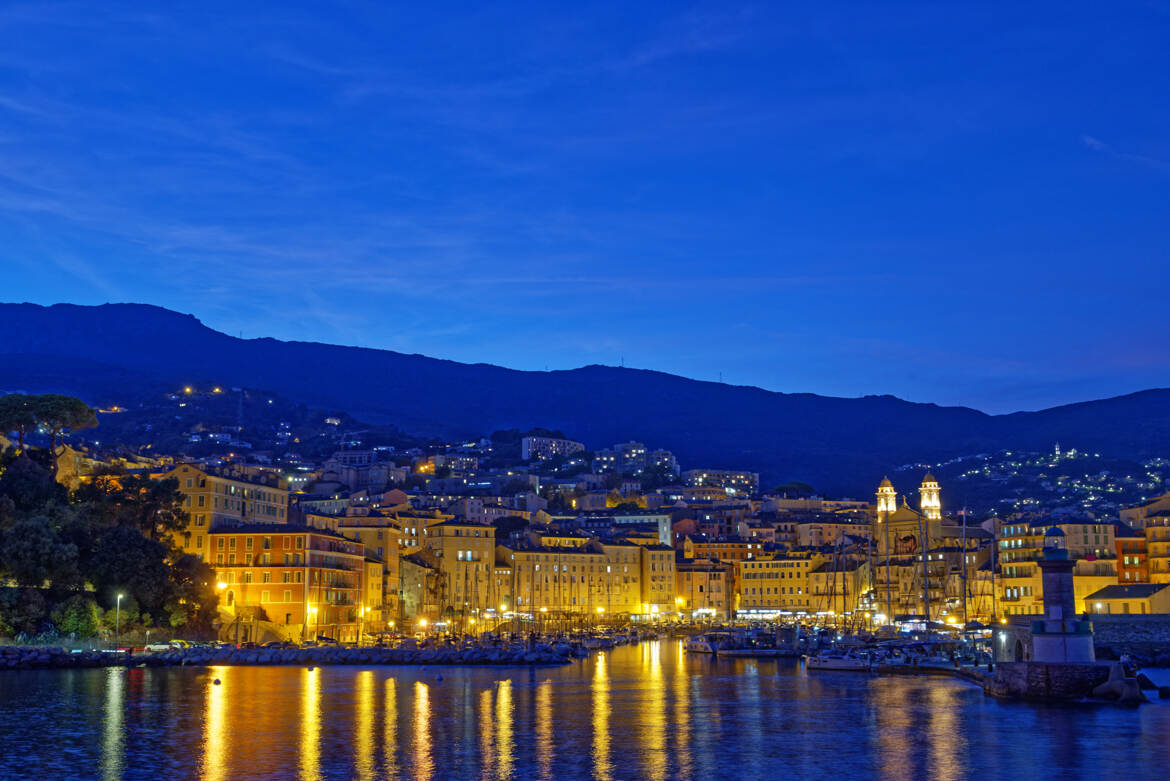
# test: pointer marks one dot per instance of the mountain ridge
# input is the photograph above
(836, 443)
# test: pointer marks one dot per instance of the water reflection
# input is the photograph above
(544, 738)
(364, 725)
(653, 729)
(424, 765)
(641, 712)
(215, 727)
(310, 758)
(946, 734)
(390, 730)
(504, 718)
(486, 736)
(113, 750)
(682, 713)
(602, 768)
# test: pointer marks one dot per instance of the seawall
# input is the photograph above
(25, 658)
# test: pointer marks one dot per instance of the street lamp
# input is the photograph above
(118, 621)
(361, 624)
(313, 616)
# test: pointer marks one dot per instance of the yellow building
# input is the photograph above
(1131, 599)
(373, 614)
(1021, 592)
(380, 535)
(657, 578)
(465, 557)
(779, 584)
(1152, 520)
(213, 500)
(294, 582)
(586, 579)
(835, 590)
(703, 589)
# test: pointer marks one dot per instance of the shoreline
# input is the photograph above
(20, 658)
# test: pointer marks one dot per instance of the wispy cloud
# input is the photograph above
(1097, 145)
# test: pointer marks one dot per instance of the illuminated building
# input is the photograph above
(726, 549)
(887, 497)
(464, 556)
(703, 588)
(1151, 520)
(288, 582)
(379, 535)
(657, 578)
(212, 500)
(732, 481)
(568, 576)
(544, 448)
(930, 498)
(1130, 599)
(776, 584)
(1132, 554)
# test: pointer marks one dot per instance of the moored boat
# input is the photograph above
(838, 660)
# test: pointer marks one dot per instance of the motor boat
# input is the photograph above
(708, 643)
(838, 660)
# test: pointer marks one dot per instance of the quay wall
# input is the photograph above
(1146, 637)
(23, 658)
(1045, 680)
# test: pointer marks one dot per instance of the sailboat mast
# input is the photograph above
(925, 575)
(964, 579)
(889, 606)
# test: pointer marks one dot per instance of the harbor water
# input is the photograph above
(646, 711)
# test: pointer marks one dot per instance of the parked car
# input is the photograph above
(161, 646)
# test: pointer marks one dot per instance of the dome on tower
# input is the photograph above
(929, 478)
(885, 483)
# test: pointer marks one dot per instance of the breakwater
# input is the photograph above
(25, 658)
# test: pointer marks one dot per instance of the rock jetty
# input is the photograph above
(22, 658)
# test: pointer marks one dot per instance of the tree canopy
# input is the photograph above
(67, 556)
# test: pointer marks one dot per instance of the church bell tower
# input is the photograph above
(887, 497)
(931, 502)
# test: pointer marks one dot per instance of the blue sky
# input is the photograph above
(958, 203)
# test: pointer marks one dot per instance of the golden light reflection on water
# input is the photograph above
(653, 729)
(485, 733)
(215, 728)
(504, 716)
(544, 739)
(112, 749)
(945, 734)
(602, 767)
(390, 729)
(310, 759)
(364, 725)
(424, 763)
(682, 713)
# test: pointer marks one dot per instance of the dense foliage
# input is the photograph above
(65, 556)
